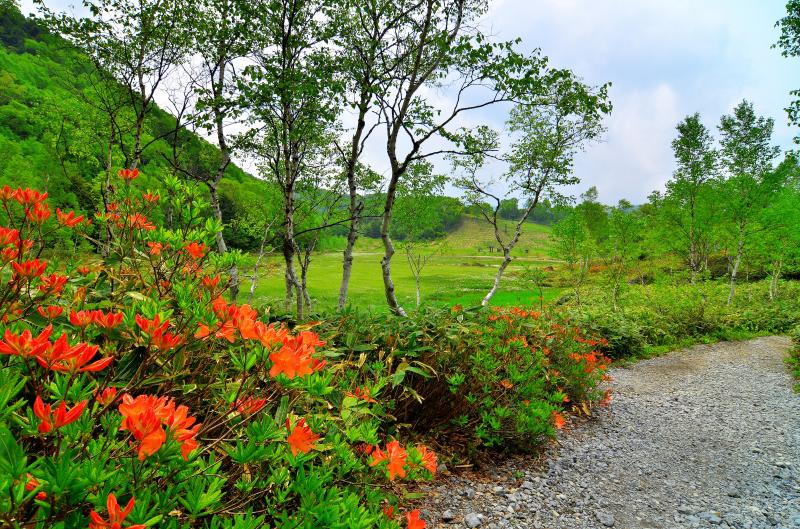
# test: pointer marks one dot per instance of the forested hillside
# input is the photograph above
(50, 134)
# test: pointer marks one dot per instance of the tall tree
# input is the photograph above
(434, 43)
(222, 34)
(689, 204)
(789, 42)
(367, 29)
(550, 132)
(291, 91)
(747, 157)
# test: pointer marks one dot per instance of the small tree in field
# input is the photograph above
(540, 160)
(573, 244)
(415, 215)
(621, 248)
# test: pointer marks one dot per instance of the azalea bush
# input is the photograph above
(793, 360)
(505, 379)
(133, 395)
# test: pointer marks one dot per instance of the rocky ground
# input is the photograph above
(704, 437)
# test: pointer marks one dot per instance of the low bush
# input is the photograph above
(499, 379)
(132, 395)
(662, 315)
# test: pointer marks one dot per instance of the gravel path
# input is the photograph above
(704, 437)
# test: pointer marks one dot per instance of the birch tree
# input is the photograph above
(747, 158)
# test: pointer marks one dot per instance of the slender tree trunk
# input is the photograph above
(221, 246)
(106, 194)
(498, 277)
(736, 262)
(507, 248)
(776, 274)
(388, 248)
(356, 207)
(261, 252)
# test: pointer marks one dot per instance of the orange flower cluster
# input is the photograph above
(61, 356)
(129, 174)
(413, 520)
(149, 419)
(116, 516)
(69, 220)
(55, 420)
(397, 458)
(301, 437)
(84, 318)
(234, 321)
(157, 333)
(295, 357)
(58, 355)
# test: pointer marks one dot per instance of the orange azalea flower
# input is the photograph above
(141, 419)
(6, 193)
(396, 456)
(155, 247)
(197, 251)
(83, 270)
(34, 484)
(62, 417)
(81, 318)
(60, 356)
(107, 396)
(388, 511)
(182, 427)
(129, 174)
(53, 284)
(150, 197)
(68, 219)
(25, 344)
(249, 405)
(210, 283)
(506, 383)
(137, 221)
(39, 213)
(428, 458)
(301, 438)
(106, 320)
(558, 420)
(29, 269)
(9, 254)
(116, 516)
(413, 521)
(293, 359)
(29, 196)
(51, 312)
(144, 416)
(8, 236)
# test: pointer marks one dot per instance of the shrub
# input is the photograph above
(499, 379)
(133, 395)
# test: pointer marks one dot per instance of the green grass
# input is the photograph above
(461, 274)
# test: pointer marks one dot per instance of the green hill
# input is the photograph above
(47, 140)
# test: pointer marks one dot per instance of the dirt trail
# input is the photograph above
(704, 437)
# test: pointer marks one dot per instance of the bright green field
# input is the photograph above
(461, 274)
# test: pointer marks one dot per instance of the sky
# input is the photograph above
(666, 59)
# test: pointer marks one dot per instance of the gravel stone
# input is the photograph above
(690, 435)
(473, 520)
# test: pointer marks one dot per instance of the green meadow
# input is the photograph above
(460, 271)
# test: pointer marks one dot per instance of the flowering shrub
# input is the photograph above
(504, 379)
(133, 395)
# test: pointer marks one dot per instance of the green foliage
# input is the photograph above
(665, 315)
(500, 377)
